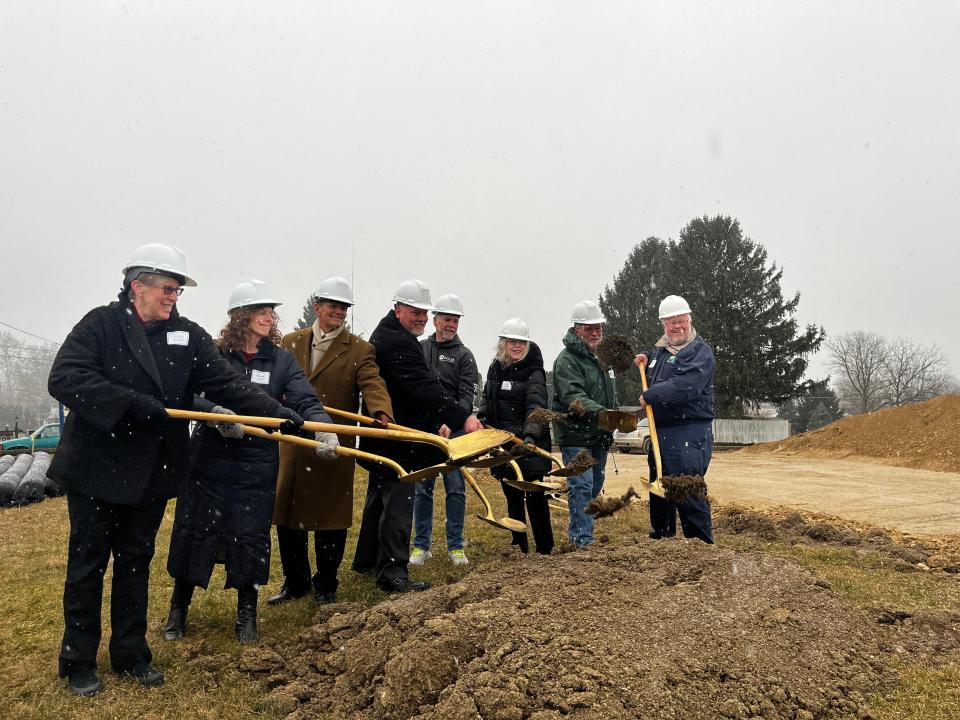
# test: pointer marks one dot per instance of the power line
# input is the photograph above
(53, 342)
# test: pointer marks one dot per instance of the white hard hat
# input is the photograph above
(161, 259)
(251, 292)
(673, 305)
(586, 312)
(415, 294)
(336, 289)
(448, 305)
(515, 329)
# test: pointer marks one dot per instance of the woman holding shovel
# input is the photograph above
(681, 375)
(516, 385)
(225, 508)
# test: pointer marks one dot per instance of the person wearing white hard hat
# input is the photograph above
(680, 375)
(457, 370)
(311, 497)
(583, 388)
(121, 457)
(419, 401)
(227, 500)
(516, 385)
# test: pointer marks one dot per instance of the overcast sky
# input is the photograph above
(509, 152)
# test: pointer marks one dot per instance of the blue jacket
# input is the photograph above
(681, 385)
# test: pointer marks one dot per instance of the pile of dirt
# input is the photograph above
(925, 435)
(669, 629)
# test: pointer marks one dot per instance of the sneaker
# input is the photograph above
(419, 556)
(459, 557)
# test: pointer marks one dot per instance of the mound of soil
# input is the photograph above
(925, 435)
(669, 629)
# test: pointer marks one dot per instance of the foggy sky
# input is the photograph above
(509, 152)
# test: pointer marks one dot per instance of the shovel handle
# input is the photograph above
(312, 426)
(654, 441)
(312, 444)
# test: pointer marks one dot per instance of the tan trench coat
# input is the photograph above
(315, 494)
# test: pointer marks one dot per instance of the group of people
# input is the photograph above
(122, 456)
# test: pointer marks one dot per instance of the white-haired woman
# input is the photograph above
(516, 385)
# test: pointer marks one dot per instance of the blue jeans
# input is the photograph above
(582, 489)
(456, 506)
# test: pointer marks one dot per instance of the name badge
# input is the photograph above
(653, 362)
(178, 337)
(506, 385)
(260, 377)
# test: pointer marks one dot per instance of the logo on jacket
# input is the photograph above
(446, 358)
(672, 360)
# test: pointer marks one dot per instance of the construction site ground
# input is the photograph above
(857, 488)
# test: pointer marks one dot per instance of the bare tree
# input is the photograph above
(24, 369)
(858, 359)
(914, 372)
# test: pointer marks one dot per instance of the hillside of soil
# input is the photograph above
(671, 629)
(925, 436)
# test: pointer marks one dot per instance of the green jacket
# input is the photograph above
(577, 375)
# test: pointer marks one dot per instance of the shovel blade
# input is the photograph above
(505, 523)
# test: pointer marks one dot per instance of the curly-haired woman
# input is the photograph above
(225, 509)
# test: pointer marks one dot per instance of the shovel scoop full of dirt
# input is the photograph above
(615, 352)
(678, 488)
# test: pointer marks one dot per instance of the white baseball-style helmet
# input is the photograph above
(448, 305)
(336, 289)
(251, 292)
(415, 294)
(673, 305)
(515, 329)
(587, 312)
(161, 259)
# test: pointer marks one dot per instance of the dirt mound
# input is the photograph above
(669, 629)
(925, 435)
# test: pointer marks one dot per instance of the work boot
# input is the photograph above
(85, 683)
(325, 598)
(145, 674)
(402, 585)
(285, 595)
(176, 626)
(419, 556)
(246, 628)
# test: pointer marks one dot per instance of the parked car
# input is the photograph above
(637, 441)
(46, 437)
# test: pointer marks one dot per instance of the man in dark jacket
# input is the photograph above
(680, 392)
(456, 369)
(419, 401)
(581, 387)
(121, 457)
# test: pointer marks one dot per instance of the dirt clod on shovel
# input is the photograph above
(679, 487)
(615, 352)
(582, 462)
(542, 415)
(738, 635)
(606, 505)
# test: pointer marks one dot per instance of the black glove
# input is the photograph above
(292, 422)
(529, 440)
(146, 409)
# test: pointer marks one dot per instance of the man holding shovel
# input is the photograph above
(582, 389)
(681, 395)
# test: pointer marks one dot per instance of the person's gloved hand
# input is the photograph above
(327, 449)
(227, 430)
(292, 422)
(146, 409)
(529, 440)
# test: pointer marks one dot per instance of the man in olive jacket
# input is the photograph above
(121, 457)
(319, 496)
(583, 388)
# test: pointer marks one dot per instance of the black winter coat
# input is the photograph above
(106, 365)
(455, 366)
(278, 373)
(419, 400)
(510, 394)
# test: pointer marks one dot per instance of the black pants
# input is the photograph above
(329, 546)
(384, 540)
(97, 530)
(539, 512)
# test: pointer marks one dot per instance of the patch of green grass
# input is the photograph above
(922, 694)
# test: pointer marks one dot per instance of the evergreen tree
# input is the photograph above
(307, 317)
(816, 407)
(737, 304)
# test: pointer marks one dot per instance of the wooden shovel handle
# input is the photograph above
(339, 450)
(654, 441)
(312, 426)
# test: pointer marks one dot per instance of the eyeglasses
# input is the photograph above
(170, 290)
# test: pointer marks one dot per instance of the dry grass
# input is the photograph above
(202, 676)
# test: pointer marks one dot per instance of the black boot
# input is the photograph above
(176, 626)
(247, 615)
